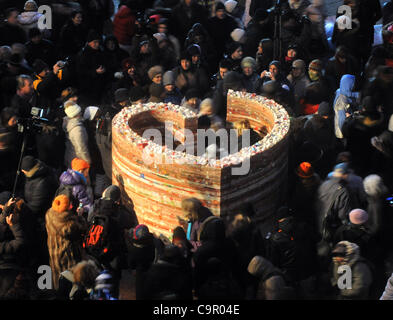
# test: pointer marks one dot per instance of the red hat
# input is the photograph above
(305, 170)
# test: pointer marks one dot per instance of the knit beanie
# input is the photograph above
(28, 163)
(61, 203)
(192, 93)
(168, 78)
(248, 62)
(220, 6)
(194, 50)
(358, 216)
(30, 5)
(39, 65)
(230, 5)
(325, 109)
(112, 193)
(232, 80)
(299, 64)
(153, 71)
(93, 35)
(79, 164)
(238, 35)
(316, 64)
(90, 113)
(305, 170)
(140, 232)
(71, 109)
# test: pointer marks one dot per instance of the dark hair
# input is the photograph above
(8, 12)
(225, 63)
(74, 13)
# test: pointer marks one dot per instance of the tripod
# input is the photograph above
(18, 171)
(277, 39)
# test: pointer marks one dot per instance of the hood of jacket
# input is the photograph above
(352, 253)
(347, 83)
(71, 123)
(71, 177)
(212, 229)
(29, 17)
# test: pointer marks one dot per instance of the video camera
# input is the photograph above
(36, 122)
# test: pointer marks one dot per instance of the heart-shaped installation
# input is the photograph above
(155, 189)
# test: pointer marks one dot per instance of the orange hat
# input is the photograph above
(305, 170)
(79, 164)
(61, 203)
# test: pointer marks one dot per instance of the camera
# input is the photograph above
(268, 74)
(36, 122)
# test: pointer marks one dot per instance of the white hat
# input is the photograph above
(90, 113)
(230, 5)
(71, 109)
(237, 35)
(160, 37)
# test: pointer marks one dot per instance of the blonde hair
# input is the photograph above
(241, 125)
(191, 206)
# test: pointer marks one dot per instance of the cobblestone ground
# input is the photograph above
(127, 285)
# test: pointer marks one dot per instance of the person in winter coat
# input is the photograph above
(29, 18)
(271, 281)
(124, 27)
(76, 135)
(77, 179)
(234, 55)
(299, 81)
(345, 103)
(172, 93)
(388, 292)
(92, 69)
(39, 48)
(10, 31)
(114, 54)
(72, 36)
(40, 185)
(264, 55)
(12, 243)
(215, 244)
(347, 254)
(65, 235)
(250, 77)
(163, 27)
(143, 249)
(206, 108)
(170, 278)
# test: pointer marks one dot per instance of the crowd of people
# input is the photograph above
(60, 88)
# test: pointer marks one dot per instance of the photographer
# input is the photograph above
(25, 97)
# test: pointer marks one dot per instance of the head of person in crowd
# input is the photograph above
(93, 39)
(157, 92)
(206, 107)
(144, 47)
(197, 34)
(385, 75)
(345, 253)
(387, 36)
(62, 204)
(5, 53)
(192, 209)
(179, 239)
(305, 170)
(341, 54)
(91, 113)
(275, 70)
(112, 193)
(241, 125)
(194, 52)
(121, 98)
(204, 122)
(30, 5)
(11, 16)
(235, 51)
(24, 86)
(41, 68)
(76, 17)
(163, 26)
(69, 94)
(81, 166)
(155, 74)
(35, 35)
(325, 110)
(292, 53)
(248, 65)
(368, 108)
(220, 11)
(232, 80)
(85, 274)
(315, 69)
(168, 81)
(72, 110)
(270, 89)
(223, 67)
(185, 61)
(140, 235)
(192, 99)
(358, 217)
(137, 95)
(298, 69)
(8, 118)
(239, 35)
(340, 171)
(374, 186)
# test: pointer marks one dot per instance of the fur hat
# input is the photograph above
(305, 170)
(230, 5)
(90, 113)
(79, 164)
(121, 94)
(71, 109)
(153, 71)
(112, 193)
(61, 203)
(39, 65)
(374, 186)
(358, 216)
(248, 62)
(238, 35)
(28, 163)
(30, 5)
(168, 78)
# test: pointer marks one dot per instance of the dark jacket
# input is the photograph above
(11, 246)
(191, 79)
(10, 34)
(72, 38)
(40, 187)
(220, 31)
(44, 50)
